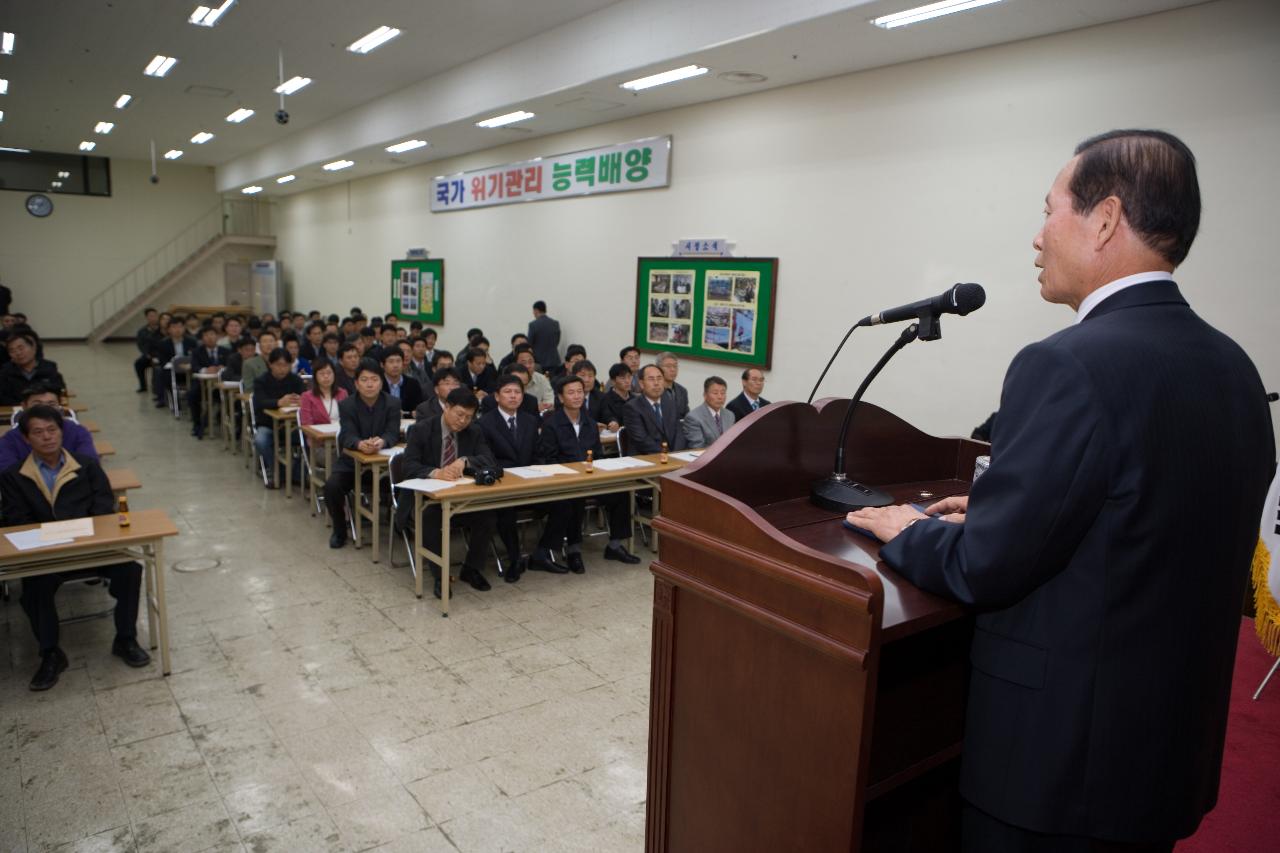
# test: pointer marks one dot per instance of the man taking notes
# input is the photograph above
(1108, 546)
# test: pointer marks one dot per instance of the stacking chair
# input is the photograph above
(67, 415)
(178, 366)
(317, 496)
(395, 471)
(253, 448)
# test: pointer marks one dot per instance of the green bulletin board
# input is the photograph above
(718, 309)
(417, 290)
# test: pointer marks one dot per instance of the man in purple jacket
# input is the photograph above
(14, 448)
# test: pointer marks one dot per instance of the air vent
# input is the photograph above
(208, 91)
(588, 104)
(742, 77)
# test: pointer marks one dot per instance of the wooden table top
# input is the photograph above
(104, 448)
(122, 479)
(288, 413)
(6, 412)
(512, 485)
(371, 458)
(318, 435)
(144, 525)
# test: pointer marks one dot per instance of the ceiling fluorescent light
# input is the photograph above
(286, 179)
(338, 165)
(123, 101)
(239, 115)
(10, 149)
(159, 66)
(86, 145)
(373, 40)
(55, 184)
(4, 86)
(103, 127)
(172, 154)
(64, 175)
(665, 77)
(925, 13)
(6, 44)
(204, 16)
(15, 150)
(509, 118)
(292, 85)
(202, 137)
(254, 190)
(407, 145)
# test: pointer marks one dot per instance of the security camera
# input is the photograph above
(155, 179)
(282, 117)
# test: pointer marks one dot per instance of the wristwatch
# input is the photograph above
(911, 522)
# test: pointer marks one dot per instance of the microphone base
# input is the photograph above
(840, 494)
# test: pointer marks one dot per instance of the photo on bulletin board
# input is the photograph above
(417, 290)
(718, 309)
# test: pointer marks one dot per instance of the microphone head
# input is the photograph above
(968, 297)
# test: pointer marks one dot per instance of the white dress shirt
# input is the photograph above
(1091, 301)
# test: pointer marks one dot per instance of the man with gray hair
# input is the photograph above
(669, 364)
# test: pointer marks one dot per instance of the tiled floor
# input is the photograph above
(315, 704)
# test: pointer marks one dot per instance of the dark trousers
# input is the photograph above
(38, 601)
(195, 401)
(983, 833)
(336, 486)
(140, 367)
(479, 527)
(564, 521)
(505, 521)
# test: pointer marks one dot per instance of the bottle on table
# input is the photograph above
(591, 467)
(123, 518)
(662, 456)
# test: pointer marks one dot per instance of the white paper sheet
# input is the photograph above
(29, 540)
(607, 435)
(390, 451)
(527, 472)
(620, 463)
(686, 455)
(427, 484)
(554, 468)
(60, 531)
(326, 428)
(231, 385)
(288, 410)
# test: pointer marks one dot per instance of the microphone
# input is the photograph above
(958, 299)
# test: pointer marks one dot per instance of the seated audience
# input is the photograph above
(528, 403)
(630, 356)
(313, 347)
(539, 385)
(512, 434)
(54, 484)
(614, 401)
(232, 329)
(277, 388)
(348, 368)
(320, 401)
(444, 381)
(254, 367)
(478, 374)
(510, 358)
(245, 349)
(386, 342)
(567, 434)
(650, 416)
(25, 368)
(429, 335)
(75, 438)
(369, 421)
(419, 364)
(294, 347)
(707, 422)
(329, 346)
(669, 364)
(208, 358)
(145, 340)
(177, 346)
(447, 448)
(572, 354)
(442, 358)
(749, 400)
(403, 388)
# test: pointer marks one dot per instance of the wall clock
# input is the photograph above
(39, 205)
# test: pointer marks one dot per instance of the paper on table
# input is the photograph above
(687, 455)
(29, 540)
(326, 428)
(528, 472)
(288, 409)
(606, 434)
(621, 462)
(427, 484)
(554, 468)
(390, 451)
(61, 531)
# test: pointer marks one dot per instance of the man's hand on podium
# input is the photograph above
(886, 522)
(950, 509)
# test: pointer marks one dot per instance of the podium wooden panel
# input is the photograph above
(804, 696)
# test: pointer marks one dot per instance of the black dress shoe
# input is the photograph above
(539, 563)
(621, 554)
(161, 404)
(52, 663)
(476, 580)
(338, 538)
(514, 570)
(576, 565)
(130, 652)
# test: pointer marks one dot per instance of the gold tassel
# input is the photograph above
(1267, 620)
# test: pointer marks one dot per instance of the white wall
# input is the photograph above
(873, 189)
(55, 265)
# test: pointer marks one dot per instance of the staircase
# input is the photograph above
(230, 222)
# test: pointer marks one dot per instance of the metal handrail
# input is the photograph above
(229, 216)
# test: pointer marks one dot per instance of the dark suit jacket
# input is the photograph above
(13, 383)
(611, 407)
(432, 408)
(78, 493)
(644, 433)
(422, 449)
(680, 394)
(202, 359)
(510, 452)
(165, 349)
(410, 392)
(1108, 547)
(544, 338)
(486, 382)
(557, 442)
(741, 407)
(356, 422)
(593, 402)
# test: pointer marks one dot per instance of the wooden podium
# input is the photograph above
(804, 696)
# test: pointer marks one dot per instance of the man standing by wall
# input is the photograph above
(1108, 545)
(544, 338)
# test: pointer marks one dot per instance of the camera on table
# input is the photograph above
(486, 476)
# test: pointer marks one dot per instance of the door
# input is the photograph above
(236, 276)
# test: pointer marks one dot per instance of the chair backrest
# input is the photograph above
(67, 415)
(253, 413)
(624, 443)
(395, 473)
(302, 436)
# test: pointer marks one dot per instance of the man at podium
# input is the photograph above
(1107, 548)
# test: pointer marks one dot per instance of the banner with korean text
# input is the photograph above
(639, 165)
